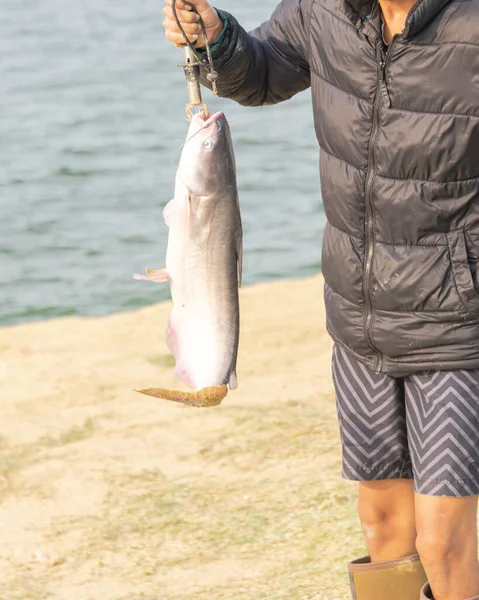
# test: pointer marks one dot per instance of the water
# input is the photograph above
(92, 109)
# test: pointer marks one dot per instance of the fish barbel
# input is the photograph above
(203, 265)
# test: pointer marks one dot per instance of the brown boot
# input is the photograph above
(426, 593)
(399, 579)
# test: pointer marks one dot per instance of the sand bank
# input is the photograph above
(106, 494)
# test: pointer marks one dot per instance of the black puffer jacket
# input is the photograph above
(399, 138)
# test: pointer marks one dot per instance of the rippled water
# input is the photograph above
(92, 109)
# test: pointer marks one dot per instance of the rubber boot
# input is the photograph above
(400, 579)
(426, 593)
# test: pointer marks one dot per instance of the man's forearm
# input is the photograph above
(264, 66)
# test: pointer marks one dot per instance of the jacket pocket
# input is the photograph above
(462, 271)
(414, 278)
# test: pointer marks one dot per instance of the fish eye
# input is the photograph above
(208, 144)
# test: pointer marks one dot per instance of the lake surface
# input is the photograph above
(92, 112)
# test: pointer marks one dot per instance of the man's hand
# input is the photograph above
(189, 20)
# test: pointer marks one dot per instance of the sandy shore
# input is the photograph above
(106, 494)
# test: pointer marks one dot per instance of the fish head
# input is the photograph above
(207, 159)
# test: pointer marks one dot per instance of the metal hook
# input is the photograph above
(193, 63)
(192, 75)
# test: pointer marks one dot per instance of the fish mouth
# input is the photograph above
(206, 120)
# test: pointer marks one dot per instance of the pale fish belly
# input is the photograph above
(203, 346)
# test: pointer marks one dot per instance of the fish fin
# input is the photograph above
(172, 340)
(205, 398)
(193, 203)
(233, 382)
(158, 276)
(182, 371)
(169, 211)
(239, 255)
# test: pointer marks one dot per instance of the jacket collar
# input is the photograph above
(361, 13)
(422, 13)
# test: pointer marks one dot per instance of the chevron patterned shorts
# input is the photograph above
(423, 427)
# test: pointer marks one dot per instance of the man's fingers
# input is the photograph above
(179, 40)
(189, 28)
(188, 17)
(183, 15)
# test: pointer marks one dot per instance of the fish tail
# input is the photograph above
(204, 398)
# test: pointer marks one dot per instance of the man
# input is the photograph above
(395, 88)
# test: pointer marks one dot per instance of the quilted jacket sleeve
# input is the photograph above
(271, 63)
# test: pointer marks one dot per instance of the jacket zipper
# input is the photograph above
(382, 95)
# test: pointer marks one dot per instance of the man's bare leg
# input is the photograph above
(386, 512)
(447, 545)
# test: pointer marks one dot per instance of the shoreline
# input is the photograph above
(266, 281)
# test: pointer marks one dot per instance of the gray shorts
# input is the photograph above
(423, 427)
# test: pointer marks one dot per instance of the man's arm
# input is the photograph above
(267, 65)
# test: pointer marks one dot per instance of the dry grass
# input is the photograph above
(70, 436)
(266, 513)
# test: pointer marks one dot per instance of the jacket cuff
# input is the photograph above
(214, 46)
(220, 39)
